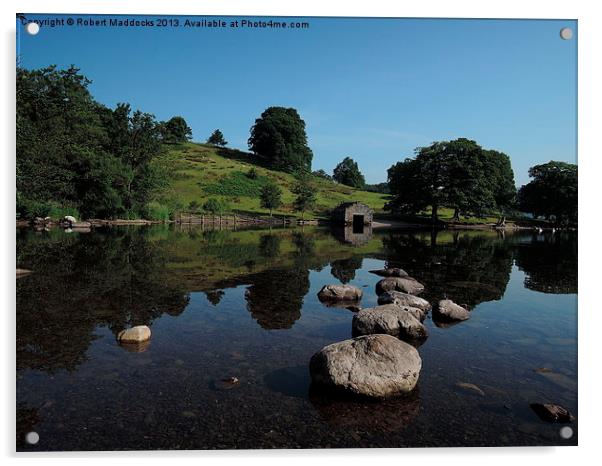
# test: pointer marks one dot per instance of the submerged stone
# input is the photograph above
(392, 272)
(471, 387)
(552, 413)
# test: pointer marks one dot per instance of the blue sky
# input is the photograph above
(371, 89)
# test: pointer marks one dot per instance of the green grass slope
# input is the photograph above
(202, 171)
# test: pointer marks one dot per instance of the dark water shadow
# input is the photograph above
(290, 381)
(389, 415)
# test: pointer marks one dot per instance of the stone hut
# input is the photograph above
(353, 214)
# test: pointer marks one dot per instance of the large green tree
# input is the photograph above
(552, 192)
(175, 130)
(457, 174)
(499, 174)
(278, 140)
(348, 173)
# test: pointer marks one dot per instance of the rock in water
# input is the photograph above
(331, 293)
(22, 272)
(447, 310)
(402, 322)
(405, 284)
(552, 413)
(136, 334)
(404, 299)
(392, 272)
(372, 365)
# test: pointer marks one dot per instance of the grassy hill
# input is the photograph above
(202, 171)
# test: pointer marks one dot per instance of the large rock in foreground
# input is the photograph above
(405, 284)
(449, 311)
(392, 272)
(138, 334)
(333, 293)
(372, 365)
(404, 299)
(401, 322)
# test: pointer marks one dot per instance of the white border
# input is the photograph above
(590, 77)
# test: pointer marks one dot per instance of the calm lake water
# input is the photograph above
(243, 304)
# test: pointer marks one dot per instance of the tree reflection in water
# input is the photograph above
(275, 298)
(466, 268)
(132, 276)
(114, 280)
(549, 262)
(344, 269)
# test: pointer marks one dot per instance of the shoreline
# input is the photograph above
(379, 224)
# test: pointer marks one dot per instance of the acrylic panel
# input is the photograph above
(254, 233)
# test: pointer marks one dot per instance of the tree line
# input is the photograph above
(77, 155)
(474, 181)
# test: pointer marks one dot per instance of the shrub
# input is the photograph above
(214, 206)
(58, 212)
(237, 184)
(252, 174)
(194, 206)
(157, 211)
(28, 209)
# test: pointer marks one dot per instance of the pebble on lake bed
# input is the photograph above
(227, 384)
(471, 387)
(375, 366)
(138, 334)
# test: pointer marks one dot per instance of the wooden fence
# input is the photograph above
(230, 220)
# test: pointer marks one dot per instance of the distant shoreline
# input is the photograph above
(380, 224)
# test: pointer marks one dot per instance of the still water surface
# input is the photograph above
(243, 304)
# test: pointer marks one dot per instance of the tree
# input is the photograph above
(252, 174)
(348, 173)
(214, 207)
(278, 140)
(72, 151)
(552, 192)
(175, 130)
(322, 174)
(306, 196)
(457, 174)
(271, 197)
(217, 139)
(501, 182)
(382, 188)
